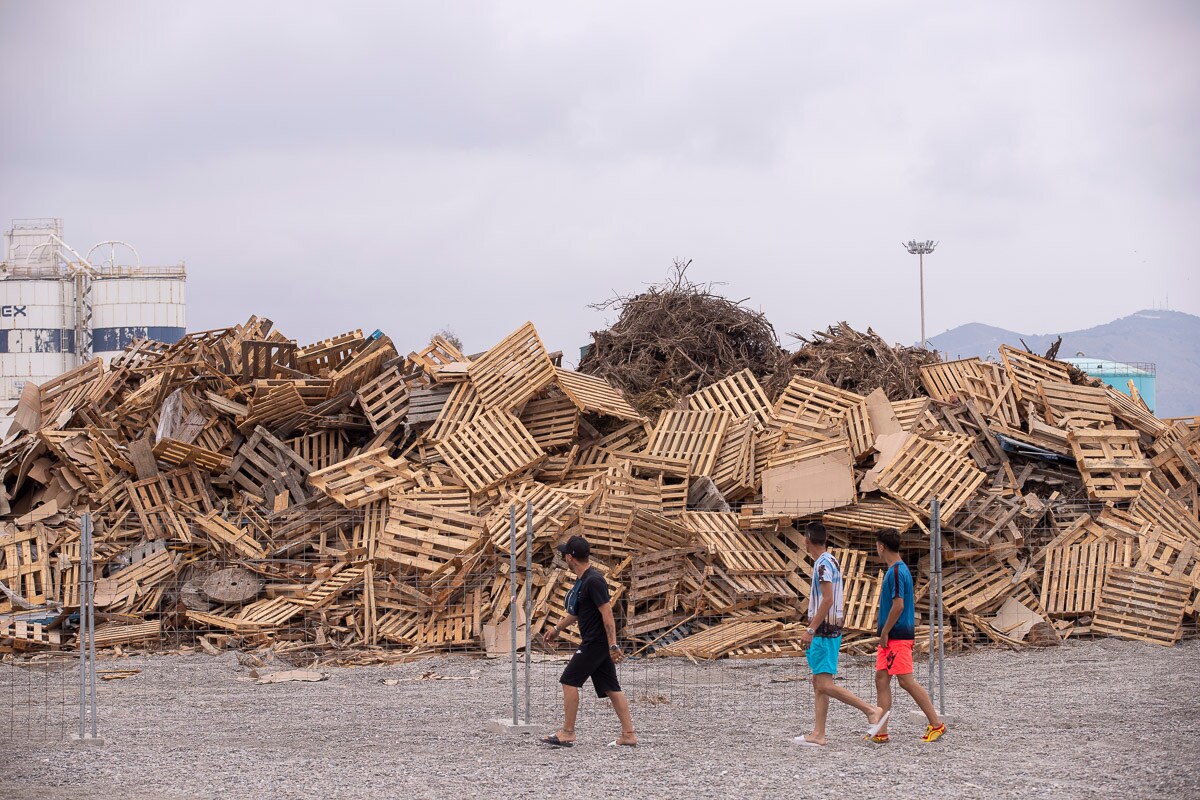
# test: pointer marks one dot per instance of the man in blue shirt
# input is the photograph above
(897, 630)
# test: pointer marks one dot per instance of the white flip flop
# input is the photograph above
(874, 729)
(800, 741)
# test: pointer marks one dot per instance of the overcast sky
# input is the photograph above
(410, 166)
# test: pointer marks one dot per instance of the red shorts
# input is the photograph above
(896, 658)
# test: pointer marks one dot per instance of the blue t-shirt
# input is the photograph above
(897, 582)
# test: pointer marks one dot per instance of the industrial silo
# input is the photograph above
(38, 310)
(131, 303)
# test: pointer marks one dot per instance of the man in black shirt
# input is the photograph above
(598, 655)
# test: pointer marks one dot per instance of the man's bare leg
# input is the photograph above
(820, 714)
(570, 710)
(909, 684)
(621, 706)
(883, 695)
(825, 683)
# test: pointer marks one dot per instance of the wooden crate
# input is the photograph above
(1147, 608)
(739, 394)
(513, 371)
(489, 449)
(1110, 462)
(691, 436)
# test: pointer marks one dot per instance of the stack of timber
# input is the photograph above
(345, 499)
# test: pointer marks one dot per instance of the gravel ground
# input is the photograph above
(1086, 720)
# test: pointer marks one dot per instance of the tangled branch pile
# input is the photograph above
(677, 337)
(859, 362)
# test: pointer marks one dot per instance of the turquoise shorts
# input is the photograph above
(822, 654)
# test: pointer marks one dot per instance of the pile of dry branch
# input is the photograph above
(859, 362)
(675, 338)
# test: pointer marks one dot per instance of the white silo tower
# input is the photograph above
(135, 302)
(58, 309)
(38, 309)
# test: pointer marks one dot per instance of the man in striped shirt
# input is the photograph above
(823, 640)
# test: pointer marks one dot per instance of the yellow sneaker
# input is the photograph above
(879, 738)
(932, 734)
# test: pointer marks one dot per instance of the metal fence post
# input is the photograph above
(512, 607)
(87, 637)
(933, 527)
(936, 529)
(528, 600)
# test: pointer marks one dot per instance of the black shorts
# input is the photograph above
(592, 661)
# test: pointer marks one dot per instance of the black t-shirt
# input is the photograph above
(584, 600)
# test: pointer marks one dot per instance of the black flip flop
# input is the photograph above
(554, 741)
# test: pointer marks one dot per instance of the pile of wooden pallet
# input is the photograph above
(344, 499)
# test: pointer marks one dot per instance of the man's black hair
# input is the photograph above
(889, 538)
(815, 532)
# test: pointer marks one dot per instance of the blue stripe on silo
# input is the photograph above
(110, 340)
(37, 340)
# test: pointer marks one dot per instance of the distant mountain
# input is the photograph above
(1169, 339)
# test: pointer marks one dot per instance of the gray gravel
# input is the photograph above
(1086, 720)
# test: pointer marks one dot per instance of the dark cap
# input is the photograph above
(577, 547)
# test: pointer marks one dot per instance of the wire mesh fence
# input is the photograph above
(357, 587)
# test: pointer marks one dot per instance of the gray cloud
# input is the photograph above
(410, 166)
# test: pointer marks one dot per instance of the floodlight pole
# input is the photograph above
(920, 249)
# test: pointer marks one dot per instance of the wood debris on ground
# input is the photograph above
(344, 502)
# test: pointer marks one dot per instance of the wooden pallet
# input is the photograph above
(1176, 456)
(1026, 371)
(423, 537)
(552, 421)
(593, 395)
(89, 453)
(324, 592)
(384, 399)
(740, 394)
(123, 587)
(733, 471)
(452, 625)
(266, 467)
(860, 602)
(923, 470)
(650, 531)
(160, 515)
(23, 633)
(362, 366)
(235, 541)
(913, 414)
(1166, 513)
(1070, 406)
(1134, 413)
(692, 436)
(554, 511)
(737, 551)
(1146, 608)
(812, 405)
(319, 450)
(111, 634)
(722, 639)
(25, 563)
(1110, 462)
(489, 449)
(657, 597)
(1164, 554)
(330, 354)
(274, 612)
(461, 406)
(279, 404)
(976, 587)
(437, 354)
(267, 359)
(1073, 575)
(179, 454)
(363, 478)
(513, 371)
(870, 514)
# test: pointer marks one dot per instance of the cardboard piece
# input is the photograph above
(1014, 619)
(882, 415)
(809, 486)
(888, 446)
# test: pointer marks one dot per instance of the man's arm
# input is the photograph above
(890, 622)
(567, 621)
(822, 610)
(610, 628)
